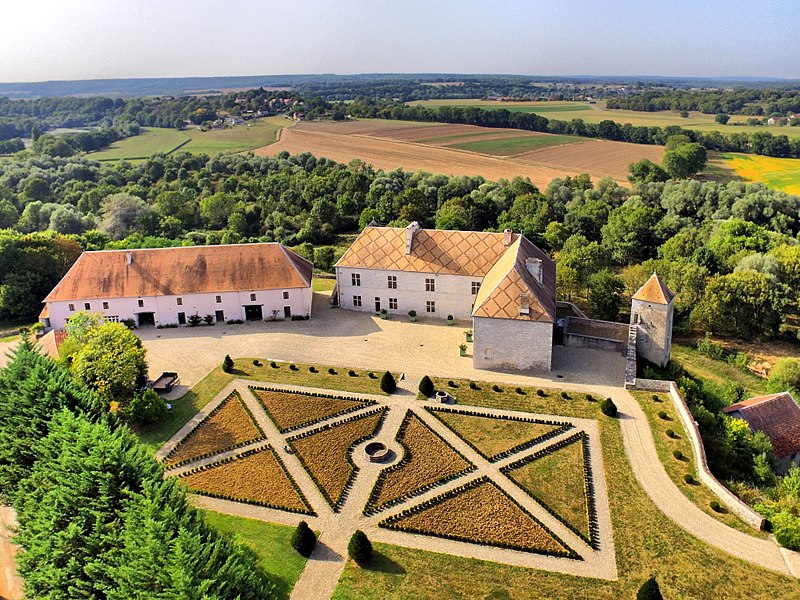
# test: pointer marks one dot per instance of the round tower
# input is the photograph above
(651, 311)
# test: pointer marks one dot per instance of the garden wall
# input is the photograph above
(734, 504)
(600, 335)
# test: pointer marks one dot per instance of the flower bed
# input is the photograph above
(559, 478)
(325, 453)
(255, 477)
(230, 425)
(480, 513)
(428, 461)
(290, 410)
(497, 437)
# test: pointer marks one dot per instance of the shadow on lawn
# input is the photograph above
(383, 564)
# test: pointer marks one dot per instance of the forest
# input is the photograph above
(753, 102)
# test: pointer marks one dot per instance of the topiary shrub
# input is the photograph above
(473, 386)
(520, 391)
(452, 384)
(649, 590)
(589, 398)
(540, 393)
(293, 367)
(426, 386)
(608, 408)
(227, 364)
(388, 384)
(656, 398)
(662, 415)
(273, 364)
(372, 375)
(256, 362)
(496, 388)
(677, 454)
(332, 371)
(303, 539)
(670, 433)
(312, 369)
(360, 548)
(565, 395)
(688, 478)
(352, 373)
(715, 506)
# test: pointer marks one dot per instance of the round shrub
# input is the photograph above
(662, 415)
(293, 367)
(452, 384)
(312, 369)
(677, 454)
(496, 388)
(715, 506)
(352, 373)
(144, 408)
(473, 386)
(589, 398)
(360, 548)
(656, 398)
(372, 375)
(227, 364)
(608, 408)
(303, 539)
(273, 364)
(540, 393)
(670, 433)
(426, 386)
(332, 371)
(520, 391)
(565, 395)
(388, 384)
(688, 478)
(256, 362)
(649, 590)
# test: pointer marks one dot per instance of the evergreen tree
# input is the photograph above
(227, 364)
(388, 384)
(360, 548)
(303, 539)
(426, 386)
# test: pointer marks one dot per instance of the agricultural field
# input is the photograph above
(777, 173)
(229, 426)
(156, 140)
(257, 477)
(594, 113)
(493, 153)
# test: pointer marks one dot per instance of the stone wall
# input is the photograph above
(728, 498)
(600, 335)
(655, 330)
(512, 344)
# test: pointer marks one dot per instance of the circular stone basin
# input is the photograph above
(442, 396)
(376, 451)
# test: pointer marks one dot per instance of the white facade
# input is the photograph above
(654, 332)
(512, 344)
(167, 310)
(451, 295)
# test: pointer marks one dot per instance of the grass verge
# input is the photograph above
(716, 373)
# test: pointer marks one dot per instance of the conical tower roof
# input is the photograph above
(654, 291)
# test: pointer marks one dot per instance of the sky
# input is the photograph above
(96, 39)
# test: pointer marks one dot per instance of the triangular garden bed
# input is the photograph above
(290, 410)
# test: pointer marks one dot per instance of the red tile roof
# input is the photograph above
(655, 291)
(777, 415)
(182, 270)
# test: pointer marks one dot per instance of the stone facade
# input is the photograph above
(512, 344)
(654, 336)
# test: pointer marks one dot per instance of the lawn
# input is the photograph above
(778, 173)
(516, 145)
(676, 469)
(716, 373)
(155, 140)
(647, 543)
(322, 285)
(272, 544)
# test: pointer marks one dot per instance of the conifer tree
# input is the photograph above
(388, 384)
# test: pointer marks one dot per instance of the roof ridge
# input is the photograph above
(292, 257)
(500, 280)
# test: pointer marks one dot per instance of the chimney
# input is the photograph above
(129, 256)
(412, 228)
(508, 237)
(534, 266)
(524, 304)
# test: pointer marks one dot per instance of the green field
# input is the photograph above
(155, 140)
(515, 145)
(594, 113)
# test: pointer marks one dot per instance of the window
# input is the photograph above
(285, 295)
(105, 305)
(476, 286)
(179, 301)
(392, 279)
(392, 303)
(72, 308)
(357, 301)
(356, 279)
(430, 286)
(112, 319)
(219, 299)
(87, 306)
(430, 306)
(141, 303)
(252, 297)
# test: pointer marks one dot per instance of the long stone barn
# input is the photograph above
(502, 281)
(167, 286)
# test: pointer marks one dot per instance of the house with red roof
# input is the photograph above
(778, 416)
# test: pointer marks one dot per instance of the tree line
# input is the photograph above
(760, 142)
(752, 102)
(96, 517)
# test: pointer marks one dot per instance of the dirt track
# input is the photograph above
(388, 154)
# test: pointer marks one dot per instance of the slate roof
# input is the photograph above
(182, 270)
(654, 291)
(509, 280)
(470, 253)
(777, 415)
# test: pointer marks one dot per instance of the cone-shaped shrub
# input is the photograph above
(303, 539)
(227, 364)
(388, 383)
(649, 590)
(426, 387)
(360, 548)
(608, 408)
